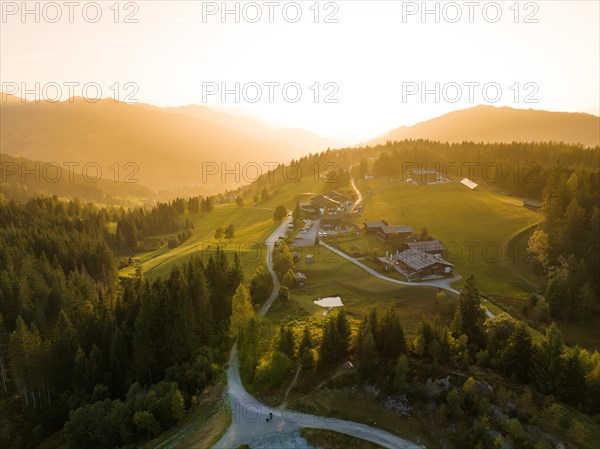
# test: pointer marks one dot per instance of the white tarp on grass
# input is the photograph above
(333, 301)
(470, 184)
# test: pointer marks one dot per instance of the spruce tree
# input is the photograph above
(516, 357)
(470, 314)
(547, 367)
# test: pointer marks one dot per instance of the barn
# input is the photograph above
(394, 233)
(373, 227)
(416, 264)
(426, 246)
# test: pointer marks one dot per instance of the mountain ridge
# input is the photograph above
(484, 123)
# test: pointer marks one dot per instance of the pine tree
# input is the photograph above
(328, 351)
(367, 355)
(392, 335)
(401, 373)
(343, 334)
(297, 214)
(307, 340)
(547, 367)
(469, 313)
(575, 386)
(286, 343)
(199, 293)
(516, 357)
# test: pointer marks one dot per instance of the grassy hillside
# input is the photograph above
(252, 227)
(168, 148)
(476, 227)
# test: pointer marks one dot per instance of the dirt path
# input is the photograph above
(287, 392)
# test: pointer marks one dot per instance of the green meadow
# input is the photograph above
(332, 275)
(252, 226)
(485, 233)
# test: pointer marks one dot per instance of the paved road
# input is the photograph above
(249, 415)
(359, 197)
(270, 242)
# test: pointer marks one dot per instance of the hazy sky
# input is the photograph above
(374, 61)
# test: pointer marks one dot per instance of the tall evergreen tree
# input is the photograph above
(469, 314)
(516, 357)
(547, 367)
(575, 386)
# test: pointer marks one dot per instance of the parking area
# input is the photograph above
(306, 237)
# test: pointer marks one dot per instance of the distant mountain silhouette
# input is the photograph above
(22, 178)
(168, 145)
(492, 124)
(305, 141)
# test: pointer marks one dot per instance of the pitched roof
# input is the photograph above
(337, 196)
(418, 260)
(426, 246)
(322, 200)
(374, 224)
(332, 217)
(422, 171)
(532, 203)
(401, 229)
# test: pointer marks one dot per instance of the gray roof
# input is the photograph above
(401, 229)
(332, 217)
(426, 246)
(337, 196)
(532, 203)
(421, 171)
(418, 260)
(374, 224)
(322, 200)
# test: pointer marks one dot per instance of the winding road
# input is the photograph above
(249, 415)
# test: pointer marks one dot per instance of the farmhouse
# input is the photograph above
(331, 201)
(394, 233)
(337, 196)
(427, 246)
(372, 227)
(309, 210)
(332, 219)
(325, 204)
(416, 264)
